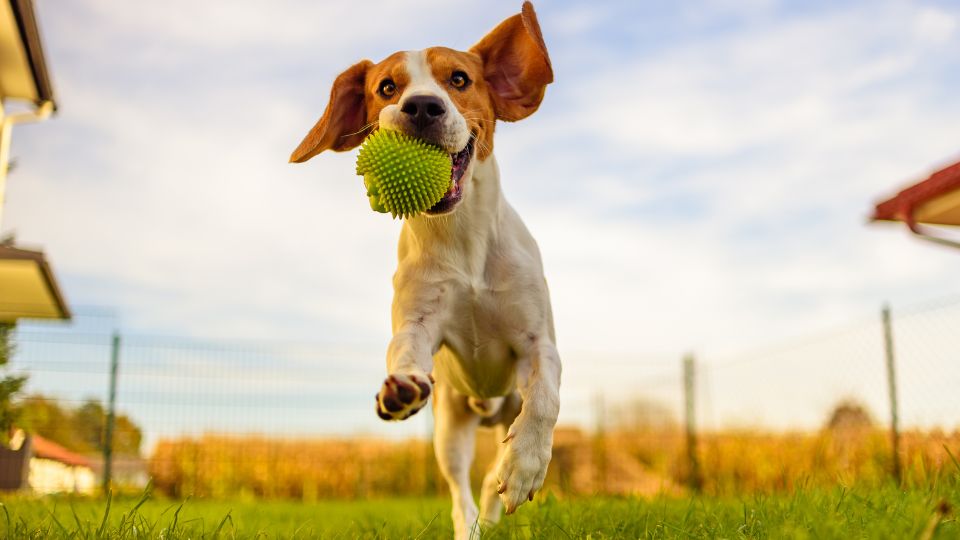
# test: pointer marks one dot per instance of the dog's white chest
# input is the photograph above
(476, 356)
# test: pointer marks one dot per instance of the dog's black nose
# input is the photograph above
(423, 110)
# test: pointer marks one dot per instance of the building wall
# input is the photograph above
(48, 476)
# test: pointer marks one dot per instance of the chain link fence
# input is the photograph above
(297, 420)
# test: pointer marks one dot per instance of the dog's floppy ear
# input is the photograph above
(516, 65)
(341, 126)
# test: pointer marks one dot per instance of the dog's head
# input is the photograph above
(447, 97)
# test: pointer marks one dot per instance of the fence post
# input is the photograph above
(600, 444)
(892, 386)
(111, 413)
(695, 481)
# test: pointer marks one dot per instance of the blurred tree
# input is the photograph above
(89, 423)
(849, 415)
(80, 429)
(127, 436)
(39, 414)
(10, 385)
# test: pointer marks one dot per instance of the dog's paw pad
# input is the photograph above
(401, 396)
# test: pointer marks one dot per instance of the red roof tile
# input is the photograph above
(42, 448)
(901, 207)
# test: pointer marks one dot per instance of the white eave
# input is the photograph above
(23, 69)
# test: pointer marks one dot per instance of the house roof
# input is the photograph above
(935, 201)
(23, 68)
(45, 449)
(28, 288)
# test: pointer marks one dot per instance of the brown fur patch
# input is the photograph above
(473, 101)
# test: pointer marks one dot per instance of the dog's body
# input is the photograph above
(471, 309)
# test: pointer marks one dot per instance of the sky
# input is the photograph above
(699, 176)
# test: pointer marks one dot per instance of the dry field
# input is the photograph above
(642, 463)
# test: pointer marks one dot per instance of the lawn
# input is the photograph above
(884, 512)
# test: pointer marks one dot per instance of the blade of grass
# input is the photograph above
(106, 514)
(843, 494)
(557, 525)
(144, 497)
(76, 518)
(6, 513)
(176, 518)
(952, 458)
(63, 530)
(435, 516)
(216, 533)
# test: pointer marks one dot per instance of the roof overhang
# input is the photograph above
(933, 201)
(28, 289)
(23, 69)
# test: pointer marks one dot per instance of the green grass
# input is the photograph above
(837, 513)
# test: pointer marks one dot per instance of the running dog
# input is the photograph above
(472, 322)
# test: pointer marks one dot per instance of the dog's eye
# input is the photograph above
(387, 88)
(459, 80)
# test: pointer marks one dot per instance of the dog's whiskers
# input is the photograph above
(362, 129)
(479, 143)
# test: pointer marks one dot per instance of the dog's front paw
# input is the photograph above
(402, 396)
(523, 467)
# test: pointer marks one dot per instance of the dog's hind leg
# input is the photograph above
(455, 429)
(491, 507)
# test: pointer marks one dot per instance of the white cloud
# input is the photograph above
(934, 24)
(775, 85)
(766, 147)
(576, 20)
(706, 194)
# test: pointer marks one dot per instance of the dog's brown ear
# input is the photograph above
(516, 65)
(341, 126)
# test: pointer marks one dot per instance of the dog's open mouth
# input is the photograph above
(460, 162)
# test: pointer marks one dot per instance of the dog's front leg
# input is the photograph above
(529, 440)
(409, 362)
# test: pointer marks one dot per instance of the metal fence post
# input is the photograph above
(111, 413)
(695, 481)
(892, 386)
(600, 444)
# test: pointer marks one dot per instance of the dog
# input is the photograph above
(471, 317)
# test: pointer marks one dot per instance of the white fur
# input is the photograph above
(471, 306)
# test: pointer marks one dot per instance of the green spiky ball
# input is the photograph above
(403, 175)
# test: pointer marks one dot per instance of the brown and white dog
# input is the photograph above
(471, 310)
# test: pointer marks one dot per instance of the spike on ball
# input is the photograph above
(403, 175)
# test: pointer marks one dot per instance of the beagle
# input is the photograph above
(472, 323)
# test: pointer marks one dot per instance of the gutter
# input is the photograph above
(26, 19)
(42, 112)
(923, 232)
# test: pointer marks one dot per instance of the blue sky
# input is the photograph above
(698, 177)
